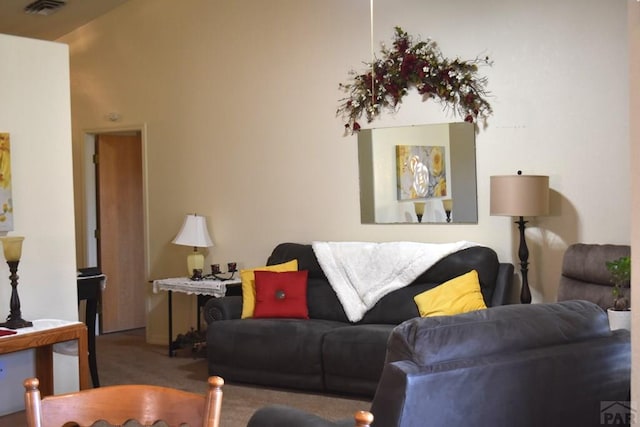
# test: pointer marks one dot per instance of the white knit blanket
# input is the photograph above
(361, 273)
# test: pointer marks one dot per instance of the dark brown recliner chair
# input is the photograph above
(585, 275)
(530, 365)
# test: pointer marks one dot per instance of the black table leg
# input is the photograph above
(170, 316)
(90, 290)
(91, 311)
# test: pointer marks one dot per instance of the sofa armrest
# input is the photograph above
(224, 308)
(504, 283)
(281, 415)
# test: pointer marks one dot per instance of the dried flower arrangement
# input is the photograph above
(421, 64)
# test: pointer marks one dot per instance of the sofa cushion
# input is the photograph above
(480, 258)
(508, 328)
(248, 284)
(281, 294)
(323, 302)
(458, 295)
(353, 357)
(303, 253)
(274, 345)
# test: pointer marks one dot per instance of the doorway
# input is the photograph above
(116, 244)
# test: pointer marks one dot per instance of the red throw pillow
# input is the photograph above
(281, 294)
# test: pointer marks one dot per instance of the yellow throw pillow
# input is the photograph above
(458, 295)
(249, 284)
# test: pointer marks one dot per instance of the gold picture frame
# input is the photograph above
(6, 201)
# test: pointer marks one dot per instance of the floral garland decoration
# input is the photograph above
(453, 83)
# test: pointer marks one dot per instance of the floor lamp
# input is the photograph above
(520, 196)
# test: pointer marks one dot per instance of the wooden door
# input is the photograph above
(120, 230)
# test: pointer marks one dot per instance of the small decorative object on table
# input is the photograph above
(197, 274)
(194, 233)
(620, 313)
(232, 268)
(12, 247)
(448, 207)
(419, 208)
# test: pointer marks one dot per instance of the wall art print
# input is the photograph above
(421, 172)
(6, 203)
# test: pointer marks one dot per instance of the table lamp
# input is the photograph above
(12, 248)
(520, 195)
(194, 233)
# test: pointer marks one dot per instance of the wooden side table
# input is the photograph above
(41, 337)
(215, 288)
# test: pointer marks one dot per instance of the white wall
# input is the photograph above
(634, 160)
(240, 97)
(35, 110)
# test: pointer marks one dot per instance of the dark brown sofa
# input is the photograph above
(327, 352)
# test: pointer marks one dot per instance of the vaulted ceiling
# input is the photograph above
(50, 19)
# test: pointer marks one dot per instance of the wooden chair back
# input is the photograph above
(363, 418)
(119, 403)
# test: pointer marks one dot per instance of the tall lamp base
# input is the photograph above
(523, 254)
(15, 320)
(16, 324)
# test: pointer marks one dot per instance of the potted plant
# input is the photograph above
(619, 313)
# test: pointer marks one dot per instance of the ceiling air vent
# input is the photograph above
(44, 7)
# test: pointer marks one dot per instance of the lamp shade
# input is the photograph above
(12, 247)
(194, 232)
(519, 195)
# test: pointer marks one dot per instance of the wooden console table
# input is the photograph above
(215, 288)
(41, 337)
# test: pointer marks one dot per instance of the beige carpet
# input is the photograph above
(125, 358)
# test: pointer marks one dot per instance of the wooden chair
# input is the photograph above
(117, 404)
(363, 418)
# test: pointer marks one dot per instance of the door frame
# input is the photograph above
(90, 253)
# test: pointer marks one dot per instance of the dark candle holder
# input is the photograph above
(447, 204)
(418, 207)
(15, 320)
(197, 275)
(216, 273)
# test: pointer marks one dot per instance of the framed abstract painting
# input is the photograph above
(421, 171)
(6, 202)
